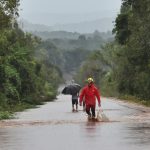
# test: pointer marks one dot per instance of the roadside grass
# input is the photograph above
(7, 111)
(112, 92)
(5, 115)
(135, 100)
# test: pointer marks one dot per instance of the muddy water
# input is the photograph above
(53, 126)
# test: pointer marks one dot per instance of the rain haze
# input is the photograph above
(68, 12)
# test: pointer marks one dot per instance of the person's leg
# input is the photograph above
(93, 111)
(73, 105)
(76, 107)
(76, 104)
(84, 106)
(88, 110)
(73, 109)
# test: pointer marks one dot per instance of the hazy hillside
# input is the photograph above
(56, 34)
(70, 41)
(64, 35)
(102, 25)
(27, 26)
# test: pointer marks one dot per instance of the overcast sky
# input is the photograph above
(34, 10)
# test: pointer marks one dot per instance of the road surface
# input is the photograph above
(54, 126)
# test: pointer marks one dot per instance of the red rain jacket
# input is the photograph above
(90, 94)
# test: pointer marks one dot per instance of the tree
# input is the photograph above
(8, 12)
(133, 74)
(94, 66)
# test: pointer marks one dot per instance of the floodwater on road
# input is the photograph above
(54, 126)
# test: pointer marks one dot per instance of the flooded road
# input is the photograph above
(53, 127)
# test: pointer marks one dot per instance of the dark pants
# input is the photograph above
(74, 101)
(89, 109)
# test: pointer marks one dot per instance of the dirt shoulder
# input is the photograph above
(130, 104)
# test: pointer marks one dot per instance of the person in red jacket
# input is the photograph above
(90, 93)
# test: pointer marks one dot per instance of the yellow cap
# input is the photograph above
(90, 80)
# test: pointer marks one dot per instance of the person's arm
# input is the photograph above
(81, 97)
(78, 94)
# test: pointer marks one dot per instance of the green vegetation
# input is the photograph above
(124, 65)
(133, 77)
(66, 60)
(70, 50)
(25, 79)
(70, 41)
(5, 115)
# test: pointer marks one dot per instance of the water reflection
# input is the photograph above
(90, 129)
(139, 133)
(54, 126)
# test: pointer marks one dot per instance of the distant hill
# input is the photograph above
(27, 26)
(71, 35)
(102, 25)
(70, 41)
(56, 34)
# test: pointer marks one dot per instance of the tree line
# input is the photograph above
(25, 80)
